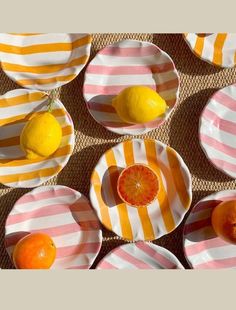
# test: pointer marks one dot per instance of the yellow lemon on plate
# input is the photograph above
(139, 104)
(41, 136)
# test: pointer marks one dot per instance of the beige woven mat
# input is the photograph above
(199, 80)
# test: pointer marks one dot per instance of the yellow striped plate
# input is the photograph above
(44, 61)
(160, 217)
(216, 48)
(16, 108)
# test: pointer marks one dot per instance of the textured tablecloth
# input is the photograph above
(199, 80)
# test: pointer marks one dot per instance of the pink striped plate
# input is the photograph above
(140, 255)
(203, 249)
(217, 130)
(124, 64)
(66, 216)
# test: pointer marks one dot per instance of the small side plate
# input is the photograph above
(66, 216)
(123, 64)
(140, 255)
(203, 248)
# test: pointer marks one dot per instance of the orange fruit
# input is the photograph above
(223, 219)
(138, 185)
(34, 251)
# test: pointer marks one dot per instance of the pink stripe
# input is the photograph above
(44, 211)
(84, 248)
(57, 231)
(101, 107)
(218, 264)
(198, 247)
(138, 51)
(105, 265)
(115, 89)
(204, 205)
(108, 108)
(130, 70)
(220, 123)
(169, 85)
(45, 195)
(107, 90)
(131, 259)
(225, 100)
(189, 228)
(164, 261)
(224, 165)
(218, 145)
(210, 204)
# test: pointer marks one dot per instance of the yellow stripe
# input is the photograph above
(25, 117)
(129, 153)
(218, 46)
(105, 216)
(44, 48)
(62, 78)
(198, 48)
(162, 195)
(121, 207)
(13, 141)
(142, 211)
(22, 99)
(44, 69)
(29, 175)
(178, 178)
(63, 151)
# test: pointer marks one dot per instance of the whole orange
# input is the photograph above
(223, 220)
(34, 251)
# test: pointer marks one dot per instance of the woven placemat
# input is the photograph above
(199, 80)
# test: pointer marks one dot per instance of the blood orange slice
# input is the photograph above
(138, 185)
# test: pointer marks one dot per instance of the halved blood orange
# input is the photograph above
(138, 185)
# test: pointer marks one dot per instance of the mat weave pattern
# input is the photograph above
(198, 80)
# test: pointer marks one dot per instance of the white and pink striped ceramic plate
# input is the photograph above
(65, 215)
(124, 64)
(217, 130)
(203, 248)
(140, 255)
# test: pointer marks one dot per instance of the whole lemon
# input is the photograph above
(41, 136)
(139, 104)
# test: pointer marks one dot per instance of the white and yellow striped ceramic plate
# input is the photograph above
(44, 61)
(160, 217)
(216, 48)
(16, 108)
(123, 64)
